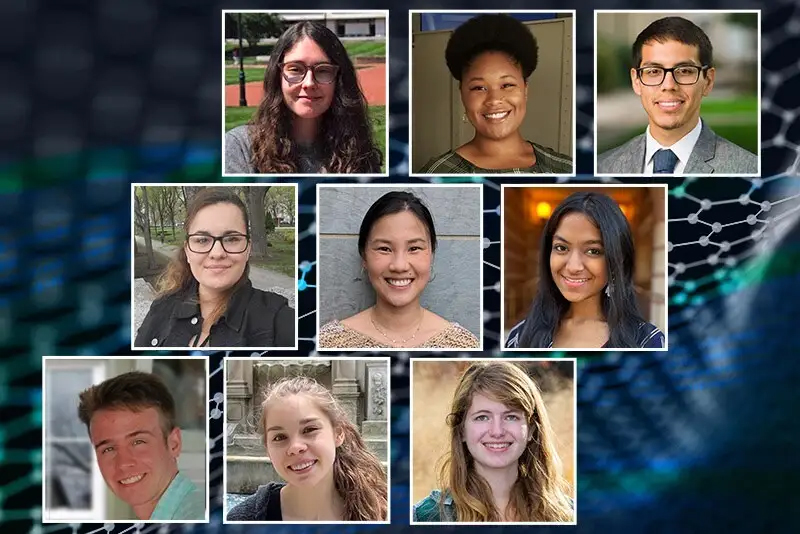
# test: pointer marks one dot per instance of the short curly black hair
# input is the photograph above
(495, 32)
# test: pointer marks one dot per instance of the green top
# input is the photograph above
(428, 510)
(181, 502)
(548, 161)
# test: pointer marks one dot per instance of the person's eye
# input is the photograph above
(310, 430)
(481, 417)
(415, 248)
(558, 247)
(595, 252)
(512, 417)
(138, 441)
(107, 449)
(383, 249)
(509, 84)
(200, 240)
(684, 70)
(278, 437)
(233, 239)
(477, 88)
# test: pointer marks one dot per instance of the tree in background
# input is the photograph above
(258, 26)
(280, 204)
(142, 221)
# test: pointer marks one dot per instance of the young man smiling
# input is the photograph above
(131, 422)
(672, 71)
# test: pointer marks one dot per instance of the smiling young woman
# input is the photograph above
(586, 297)
(502, 464)
(492, 57)
(313, 117)
(397, 243)
(205, 297)
(329, 473)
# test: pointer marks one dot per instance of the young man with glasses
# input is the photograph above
(672, 71)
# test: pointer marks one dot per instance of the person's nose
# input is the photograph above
(494, 95)
(124, 458)
(574, 262)
(308, 80)
(496, 429)
(297, 446)
(669, 82)
(217, 250)
(399, 262)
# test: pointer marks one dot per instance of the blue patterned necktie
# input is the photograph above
(664, 161)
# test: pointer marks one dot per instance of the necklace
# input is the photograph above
(402, 342)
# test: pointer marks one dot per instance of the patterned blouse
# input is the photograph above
(335, 335)
(647, 337)
(548, 161)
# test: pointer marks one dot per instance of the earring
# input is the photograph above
(609, 289)
(360, 277)
(432, 276)
(464, 117)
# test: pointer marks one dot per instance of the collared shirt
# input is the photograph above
(254, 318)
(548, 161)
(683, 149)
(430, 509)
(183, 501)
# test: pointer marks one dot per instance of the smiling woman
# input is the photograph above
(502, 464)
(492, 56)
(396, 243)
(313, 117)
(205, 297)
(586, 296)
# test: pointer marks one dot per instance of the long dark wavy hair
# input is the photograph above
(345, 134)
(620, 309)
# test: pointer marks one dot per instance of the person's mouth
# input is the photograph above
(399, 283)
(302, 467)
(497, 116)
(574, 282)
(670, 105)
(499, 446)
(218, 268)
(130, 481)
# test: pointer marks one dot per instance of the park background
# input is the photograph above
(701, 438)
(732, 107)
(363, 35)
(158, 233)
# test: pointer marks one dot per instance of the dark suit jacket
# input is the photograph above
(711, 155)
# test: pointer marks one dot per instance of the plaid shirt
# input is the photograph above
(548, 161)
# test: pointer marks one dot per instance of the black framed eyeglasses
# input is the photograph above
(295, 72)
(231, 243)
(682, 74)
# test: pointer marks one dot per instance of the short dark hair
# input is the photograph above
(674, 29)
(134, 391)
(491, 32)
(389, 204)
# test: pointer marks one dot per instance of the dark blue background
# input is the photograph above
(96, 95)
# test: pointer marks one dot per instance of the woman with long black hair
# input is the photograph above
(586, 297)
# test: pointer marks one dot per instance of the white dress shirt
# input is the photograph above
(682, 149)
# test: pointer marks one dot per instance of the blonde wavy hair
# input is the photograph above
(358, 475)
(540, 492)
(177, 276)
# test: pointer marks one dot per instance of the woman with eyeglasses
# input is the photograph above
(313, 118)
(205, 297)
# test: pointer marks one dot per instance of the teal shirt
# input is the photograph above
(430, 508)
(181, 502)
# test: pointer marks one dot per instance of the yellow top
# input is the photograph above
(335, 335)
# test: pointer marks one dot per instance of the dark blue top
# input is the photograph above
(647, 337)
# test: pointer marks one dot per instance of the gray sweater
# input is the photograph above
(238, 151)
(263, 505)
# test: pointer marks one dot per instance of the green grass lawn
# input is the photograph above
(354, 49)
(236, 116)
(280, 256)
(250, 75)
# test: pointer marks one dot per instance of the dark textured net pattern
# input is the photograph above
(96, 95)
